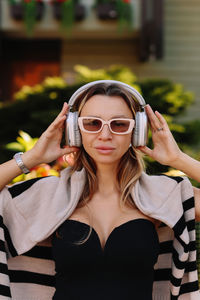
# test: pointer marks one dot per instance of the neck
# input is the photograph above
(107, 181)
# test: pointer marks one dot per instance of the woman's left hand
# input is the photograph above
(166, 150)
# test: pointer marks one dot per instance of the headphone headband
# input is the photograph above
(129, 88)
(140, 134)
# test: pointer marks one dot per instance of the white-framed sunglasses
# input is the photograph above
(95, 125)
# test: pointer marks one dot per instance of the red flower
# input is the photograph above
(126, 1)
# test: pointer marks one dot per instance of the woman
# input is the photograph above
(106, 217)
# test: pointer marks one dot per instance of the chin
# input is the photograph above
(106, 160)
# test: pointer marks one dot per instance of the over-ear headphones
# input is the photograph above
(140, 133)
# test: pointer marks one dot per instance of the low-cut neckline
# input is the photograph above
(113, 230)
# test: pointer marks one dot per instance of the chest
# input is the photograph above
(104, 216)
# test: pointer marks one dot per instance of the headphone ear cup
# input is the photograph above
(140, 133)
(72, 132)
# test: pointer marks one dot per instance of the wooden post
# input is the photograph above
(151, 33)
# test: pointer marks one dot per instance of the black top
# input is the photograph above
(122, 270)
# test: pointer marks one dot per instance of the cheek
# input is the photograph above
(126, 139)
(128, 143)
(124, 142)
(86, 140)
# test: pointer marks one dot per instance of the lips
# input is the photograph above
(104, 148)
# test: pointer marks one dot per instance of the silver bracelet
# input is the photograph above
(20, 163)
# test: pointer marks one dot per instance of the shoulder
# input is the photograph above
(162, 177)
(23, 186)
(162, 197)
(166, 186)
(161, 183)
(42, 187)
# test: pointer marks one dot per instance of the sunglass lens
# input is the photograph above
(120, 125)
(92, 124)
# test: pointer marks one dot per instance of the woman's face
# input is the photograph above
(106, 147)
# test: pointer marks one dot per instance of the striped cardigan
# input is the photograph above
(32, 210)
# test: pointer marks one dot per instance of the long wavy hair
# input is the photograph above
(131, 163)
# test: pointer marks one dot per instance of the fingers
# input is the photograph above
(146, 150)
(62, 113)
(64, 109)
(58, 122)
(68, 150)
(156, 120)
(161, 119)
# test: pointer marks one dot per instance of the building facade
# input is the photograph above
(164, 42)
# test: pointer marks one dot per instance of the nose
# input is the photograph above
(105, 133)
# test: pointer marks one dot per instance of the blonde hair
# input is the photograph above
(131, 164)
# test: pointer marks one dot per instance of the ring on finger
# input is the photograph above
(159, 129)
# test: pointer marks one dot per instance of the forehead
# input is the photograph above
(106, 107)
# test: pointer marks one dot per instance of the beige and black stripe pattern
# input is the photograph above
(31, 276)
(4, 276)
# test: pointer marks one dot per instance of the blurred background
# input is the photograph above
(48, 48)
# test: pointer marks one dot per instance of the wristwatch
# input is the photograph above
(20, 163)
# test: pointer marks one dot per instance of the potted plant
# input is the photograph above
(106, 9)
(28, 10)
(68, 11)
(116, 9)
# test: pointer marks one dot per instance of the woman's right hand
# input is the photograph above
(47, 148)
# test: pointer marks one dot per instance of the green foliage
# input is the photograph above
(34, 108)
(24, 142)
(50, 88)
(165, 96)
(32, 111)
(191, 134)
(67, 8)
(103, 1)
(29, 16)
(29, 13)
(114, 72)
(125, 13)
